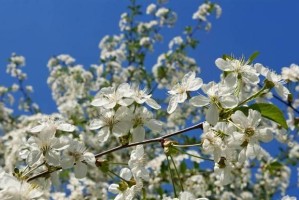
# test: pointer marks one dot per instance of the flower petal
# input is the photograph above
(66, 127)
(154, 125)
(103, 134)
(126, 174)
(172, 105)
(229, 101)
(199, 101)
(138, 134)
(101, 101)
(96, 124)
(212, 115)
(195, 84)
(80, 170)
(223, 64)
(152, 103)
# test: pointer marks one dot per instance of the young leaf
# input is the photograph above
(271, 112)
(253, 56)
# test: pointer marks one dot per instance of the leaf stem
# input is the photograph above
(177, 172)
(172, 177)
(184, 152)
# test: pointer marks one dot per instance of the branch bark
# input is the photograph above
(158, 139)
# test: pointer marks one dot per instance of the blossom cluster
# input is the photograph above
(120, 130)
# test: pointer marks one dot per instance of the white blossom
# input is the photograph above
(249, 134)
(77, 156)
(179, 91)
(151, 8)
(113, 122)
(109, 97)
(219, 96)
(142, 96)
(137, 163)
(45, 146)
(239, 70)
(143, 117)
(13, 189)
(51, 124)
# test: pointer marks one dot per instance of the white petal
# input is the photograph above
(101, 101)
(137, 153)
(229, 101)
(37, 128)
(240, 119)
(217, 154)
(110, 104)
(154, 125)
(96, 124)
(89, 158)
(195, 84)
(223, 64)
(242, 155)
(213, 114)
(250, 77)
(152, 103)
(265, 135)
(66, 127)
(107, 90)
(253, 149)
(188, 77)
(123, 112)
(125, 90)
(33, 157)
(261, 69)
(199, 101)
(231, 80)
(236, 139)
(52, 157)
(125, 102)
(180, 98)
(67, 162)
(282, 91)
(254, 118)
(144, 174)
(172, 105)
(113, 188)
(103, 134)
(126, 174)
(80, 170)
(138, 134)
(121, 128)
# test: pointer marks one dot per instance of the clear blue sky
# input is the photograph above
(39, 29)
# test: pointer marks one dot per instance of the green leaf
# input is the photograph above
(271, 112)
(183, 167)
(253, 56)
(227, 57)
(274, 167)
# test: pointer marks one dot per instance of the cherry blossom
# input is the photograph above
(179, 91)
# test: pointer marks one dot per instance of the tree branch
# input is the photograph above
(158, 139)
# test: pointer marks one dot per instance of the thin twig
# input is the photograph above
(159, 139)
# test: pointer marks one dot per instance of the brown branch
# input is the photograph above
(158, 139)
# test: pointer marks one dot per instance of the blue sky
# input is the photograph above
(39, 29)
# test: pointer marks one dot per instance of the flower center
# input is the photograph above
(249, 131)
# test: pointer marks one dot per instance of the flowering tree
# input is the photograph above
(118, 135)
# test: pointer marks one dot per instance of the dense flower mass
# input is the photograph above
(122, 131)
